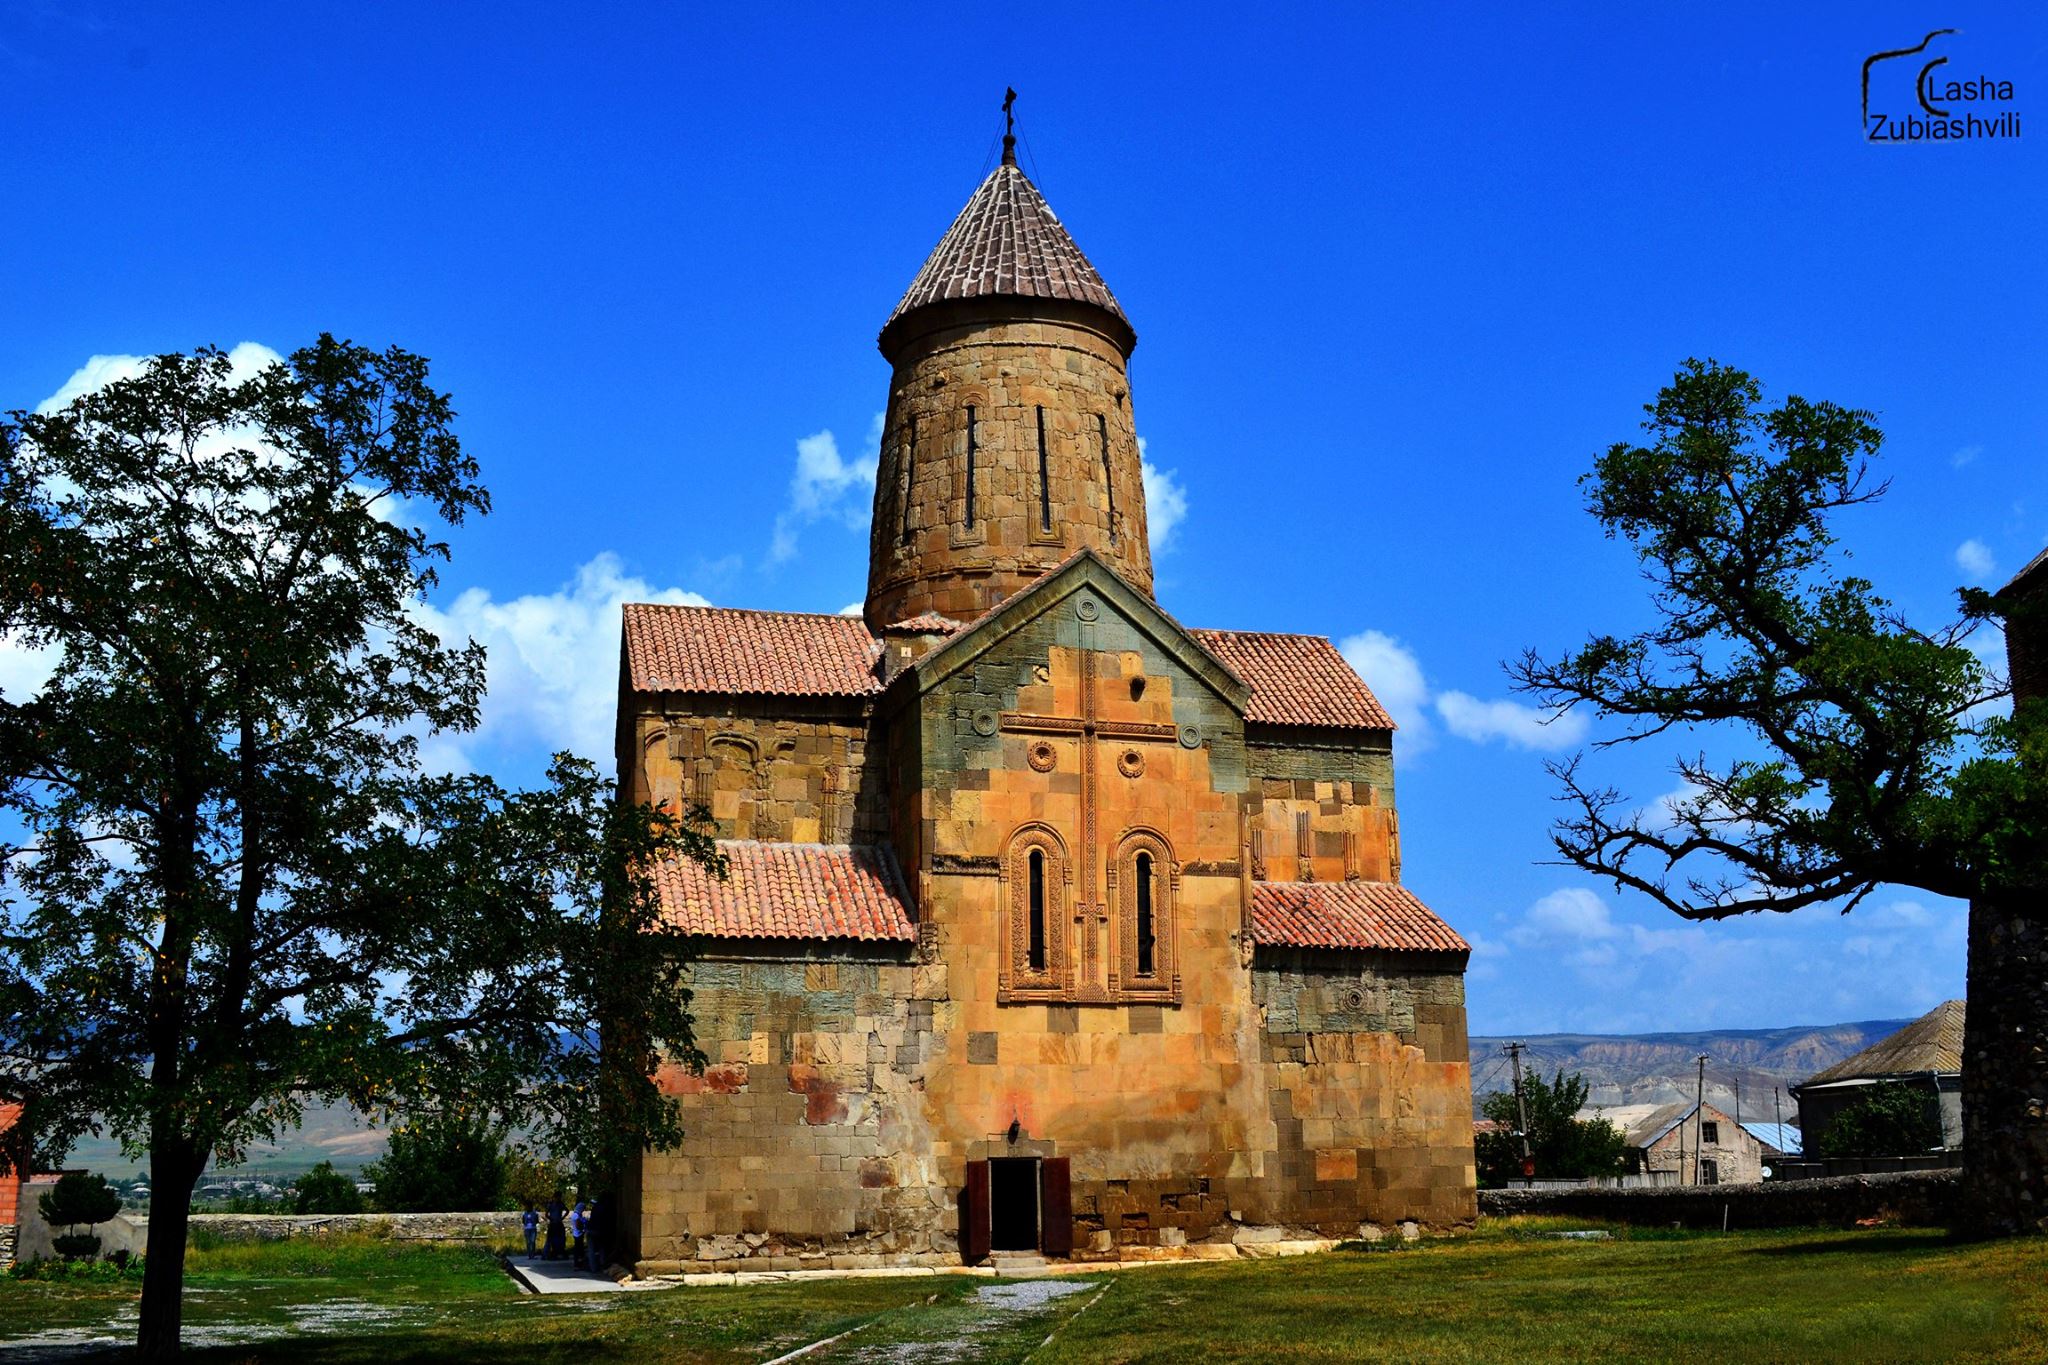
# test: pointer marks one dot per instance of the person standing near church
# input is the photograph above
(529, 1223)
(600, 1233)
(553, 1250)
(579, 1225)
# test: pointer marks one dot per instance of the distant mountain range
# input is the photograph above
(1659, 1068)
(331, 1132)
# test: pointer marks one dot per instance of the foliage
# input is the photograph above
(531, 1180)
(1868, 758)
(76, 1246)
(448, 1164)
(79, 1197)
(1564, 1146)
(1890, 1119)
(116, 1268)
(238, 890)
(1858, 749)
(326, 1190)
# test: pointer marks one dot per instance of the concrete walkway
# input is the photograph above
(559, 1277)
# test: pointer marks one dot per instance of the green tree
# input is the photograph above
(1892, 1119)
(530, 1180)
(1857, 749)
(235, 888)
(445, 1164)
(326, 1190)
(1564, 1146)
(79, 1199)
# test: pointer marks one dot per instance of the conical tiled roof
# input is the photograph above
(1933, 1042)
(1007, 241)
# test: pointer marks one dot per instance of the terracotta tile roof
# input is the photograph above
(1007, 241)
(790, 891)
(1296, 680)
(719, 649)
(1933, 1042)
(1383, 915)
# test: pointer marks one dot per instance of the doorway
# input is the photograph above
(1013, 1203)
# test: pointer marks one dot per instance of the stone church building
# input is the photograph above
(1052, 924)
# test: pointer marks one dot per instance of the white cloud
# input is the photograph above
(1966, 455)
(244, 360)
(23, 670)
(554, 662)
(1525, 727)
(826, 484)
(853, 608)
(1572, 914)
(1394, 674)
(1166, 501)
(1973, 557)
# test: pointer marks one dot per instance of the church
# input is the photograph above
(1052, 925)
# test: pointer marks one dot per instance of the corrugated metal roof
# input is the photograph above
(1933, 1042)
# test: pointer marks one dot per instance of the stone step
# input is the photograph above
(1016, 1260)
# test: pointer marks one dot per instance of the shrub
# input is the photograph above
(530, 1180)
(115, 1268)
(80, 1198)
(76, 1246)
(1565, 1146)
(326, 1190)
(441, 1165)
(1894, 1119)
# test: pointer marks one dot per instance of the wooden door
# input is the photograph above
(1056, 1206)
(974, 1217)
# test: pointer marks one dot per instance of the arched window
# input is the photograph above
(1147, 961)
(1034, 899)
(1144, 878)
(1034, 953)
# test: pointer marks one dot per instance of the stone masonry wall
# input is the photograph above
(927, 553)
(1369, 1087)
(767, 770)
(805, 1137)
(1915, 1198)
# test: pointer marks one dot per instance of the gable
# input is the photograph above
(1088, 605)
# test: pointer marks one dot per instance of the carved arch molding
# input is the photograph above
(1070, 974)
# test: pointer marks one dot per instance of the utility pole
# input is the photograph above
(1699, 1118)
(1778, 1113)
(1514, 1051)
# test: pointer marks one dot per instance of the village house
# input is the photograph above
(1691, 1144)
(1054, 926)
(1926, 1054)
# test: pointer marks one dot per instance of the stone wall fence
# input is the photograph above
(494, 1227)
(1913, 1198)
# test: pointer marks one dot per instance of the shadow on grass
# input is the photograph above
(1891, 1241)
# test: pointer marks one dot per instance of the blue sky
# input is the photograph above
(1397, 277)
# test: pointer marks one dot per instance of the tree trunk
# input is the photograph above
(2005, 1069)
(173, 1171)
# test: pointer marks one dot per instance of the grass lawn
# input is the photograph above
(1507, 1292)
